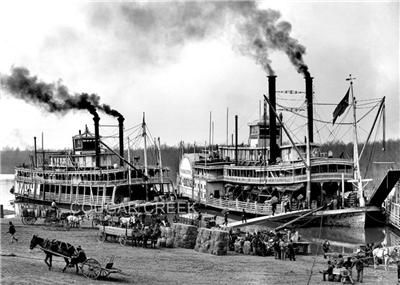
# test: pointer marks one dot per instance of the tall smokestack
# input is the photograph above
(273, 148)
(96, 120)
(309, 98)
(121, 138)
(35, 160)
(236, 140)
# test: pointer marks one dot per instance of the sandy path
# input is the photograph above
(156, 266)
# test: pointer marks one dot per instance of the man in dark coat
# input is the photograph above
(244, 219)
(359, 264)
(78, 257)
(12, 231)
(291, 252)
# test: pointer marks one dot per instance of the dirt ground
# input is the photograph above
(156, 266)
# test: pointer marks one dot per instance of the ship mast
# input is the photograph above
(160, 164)
(145, 150)
(357, 173)
(129, 159)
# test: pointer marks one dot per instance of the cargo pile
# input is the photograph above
(167, 237)
(212, 241)
(184, 235)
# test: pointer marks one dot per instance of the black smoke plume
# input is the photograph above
(147, 26)
(53, 97)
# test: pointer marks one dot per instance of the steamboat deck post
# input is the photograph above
(145, 154)
(357, 173)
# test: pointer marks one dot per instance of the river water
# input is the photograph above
(6, 182)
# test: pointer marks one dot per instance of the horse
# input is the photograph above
(146, 235)
(137, 236)
(384, 253)
(56, 247)
(156, 233)
(74, 220)
(127, 221)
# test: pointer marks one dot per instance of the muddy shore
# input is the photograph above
(156, 266)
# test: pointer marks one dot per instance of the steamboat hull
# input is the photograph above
(369, 216)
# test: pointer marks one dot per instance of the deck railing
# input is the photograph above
(316, 177)
(85, 182)
(249, 207)
(393, 210)
(70, 198)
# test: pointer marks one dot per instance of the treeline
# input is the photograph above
(374, 162)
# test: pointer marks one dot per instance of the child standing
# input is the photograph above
(12, 231)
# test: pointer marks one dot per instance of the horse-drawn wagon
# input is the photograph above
(114, 233)
(28, 216)
(89, 267)
(135, 235)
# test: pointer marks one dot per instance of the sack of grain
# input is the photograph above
(246, 247)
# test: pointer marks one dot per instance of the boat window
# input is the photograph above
(332, 168)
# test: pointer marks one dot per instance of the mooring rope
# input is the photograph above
(316, 254)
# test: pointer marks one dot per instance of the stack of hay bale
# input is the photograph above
(167, 237)
(184, 235)
(212, 241)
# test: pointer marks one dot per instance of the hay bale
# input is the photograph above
(184, 235)
(246, 247)
(167, 235)
(162, 242)
(212, 241)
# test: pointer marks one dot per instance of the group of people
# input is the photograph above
(345, 268)
(279, 244)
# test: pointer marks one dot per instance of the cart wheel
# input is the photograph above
(91, 268)
(30, 220)
(104, 273)
(122, 240)
(101, 237)
(23, 220)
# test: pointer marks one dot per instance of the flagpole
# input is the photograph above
(357, 173)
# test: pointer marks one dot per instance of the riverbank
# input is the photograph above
(156, 266)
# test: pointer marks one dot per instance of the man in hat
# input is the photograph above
(78, 257)
(12, 231)
(359, 264)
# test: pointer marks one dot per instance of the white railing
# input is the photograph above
(70, 198)
(85, 182)
(249, 207)
(288, 179)
(394, 214)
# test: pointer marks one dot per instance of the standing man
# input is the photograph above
(54, 207)
(273, 208)
(360, 268)
(291, 252)
(226, 218)
(12, 231)
(325, 247)
(244, 219)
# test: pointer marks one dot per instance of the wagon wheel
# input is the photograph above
(122, 240)
(95, 222)
(91, 268)
(104, 273)
(23, 220)
(101, 237)
(30, 220)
